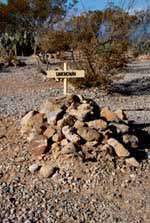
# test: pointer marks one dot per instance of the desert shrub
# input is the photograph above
(100, 62)
(54, 41)
(102, 40)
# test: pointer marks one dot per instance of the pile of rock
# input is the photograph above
(73, 130)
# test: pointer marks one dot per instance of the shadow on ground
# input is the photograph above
(144, 140)
(139, 86)
(137, 69)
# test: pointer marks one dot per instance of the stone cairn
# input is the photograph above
(73, 130)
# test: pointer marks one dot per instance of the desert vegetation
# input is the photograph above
(98, 41)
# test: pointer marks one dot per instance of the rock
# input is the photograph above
(106, 147)
(48, 170)
(121, 114)
(72, 107)
(58, 136)
(68, 149)
(82, 112)
(26, 118)
(72, 99)
(76, 130)
(36, 121)
(33, 168)
(80, 115)
(32, 135)
(54, 116)
(49, 132)
(78, 124)
(24, 122)
(121, 128)
(64, 142)
(132, 162)
(108, 114)
(60, 123)
(91, 144)
(56, 150)
(38, 146)
(84, 107)
(69, 133)
(120, 150)
(107, 135)
(89, 134)
(67, 120)
(98, 124)
(51, 105)
(130, 140)
(69, 162)
(90, 152)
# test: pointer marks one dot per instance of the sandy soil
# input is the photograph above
(107, 192)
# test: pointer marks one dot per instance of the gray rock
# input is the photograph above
(121, 128)
(132, 162)
(33, 168)
(53, 116)
(69, 133)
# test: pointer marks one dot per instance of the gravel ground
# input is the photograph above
(106, 192)
(23, 89)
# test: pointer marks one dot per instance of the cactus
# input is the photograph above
(10, 42)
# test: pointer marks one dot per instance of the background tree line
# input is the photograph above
(101, 39)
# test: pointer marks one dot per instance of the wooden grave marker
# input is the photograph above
(65, 74)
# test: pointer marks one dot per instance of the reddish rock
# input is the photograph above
(49, 132)
(38, 146)
(108, 114)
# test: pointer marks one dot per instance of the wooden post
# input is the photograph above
(65, 74)
(65, 81)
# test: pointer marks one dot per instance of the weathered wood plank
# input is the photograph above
(65, 74)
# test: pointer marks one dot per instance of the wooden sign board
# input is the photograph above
(65, 74)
